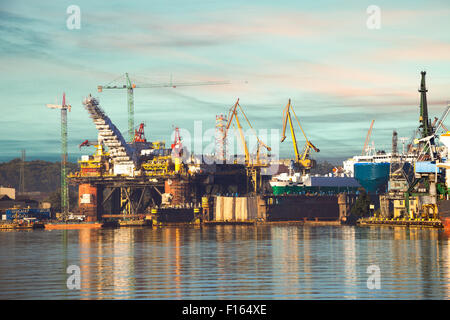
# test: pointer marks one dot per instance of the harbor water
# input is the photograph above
(227, 262)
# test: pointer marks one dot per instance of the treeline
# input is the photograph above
(43, 176)
(324, 167)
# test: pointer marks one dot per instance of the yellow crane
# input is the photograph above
(233, 114)
(302, 160)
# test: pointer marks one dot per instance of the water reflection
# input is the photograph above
(226, 262)
(349, 256)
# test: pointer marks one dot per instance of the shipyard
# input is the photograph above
(220, 151)
(144, 183)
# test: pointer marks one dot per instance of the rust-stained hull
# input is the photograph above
(446, 223)
(444, 213)
(175, 215)
(303, 207)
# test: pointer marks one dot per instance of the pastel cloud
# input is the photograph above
(323, 57)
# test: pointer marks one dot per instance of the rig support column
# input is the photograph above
(87, 201)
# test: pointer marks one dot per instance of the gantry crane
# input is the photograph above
(130, 86)
(233, 114)
(302, 161)
(64, 186)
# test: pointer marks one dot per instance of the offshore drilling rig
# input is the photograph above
(139, 178)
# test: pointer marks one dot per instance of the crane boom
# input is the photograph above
(301, 159)
(366, 143)
(130, 86)
(286, 118)
(233, 114)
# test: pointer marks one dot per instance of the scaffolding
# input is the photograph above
(221, 142)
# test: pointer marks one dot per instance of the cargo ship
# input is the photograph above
(313, 184)
(373, 177)
(298, 183)
(372, 171)
(287, 183)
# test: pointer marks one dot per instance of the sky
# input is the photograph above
(339, 73)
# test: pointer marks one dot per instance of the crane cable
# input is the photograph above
(301, 128)
(253, 130)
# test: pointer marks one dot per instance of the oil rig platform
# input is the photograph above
(147, 180)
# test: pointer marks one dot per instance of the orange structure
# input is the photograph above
(67, 226)
(179, 190)
(87, 201)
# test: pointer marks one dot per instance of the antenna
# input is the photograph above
(403, 140)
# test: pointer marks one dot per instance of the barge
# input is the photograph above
(72, 225)
(403, 222)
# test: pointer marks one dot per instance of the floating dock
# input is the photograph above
(401, 222)
(135, 223)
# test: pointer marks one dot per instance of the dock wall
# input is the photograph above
(283, 208)
(237, 209)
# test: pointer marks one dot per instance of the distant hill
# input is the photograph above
(43, 176)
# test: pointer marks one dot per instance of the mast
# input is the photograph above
(425, 124)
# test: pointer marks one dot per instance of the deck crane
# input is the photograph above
(139, 135)
(130, 86)
(87, 143)
(302, 161)
(233, 114)
(366, 143)
(64, 186)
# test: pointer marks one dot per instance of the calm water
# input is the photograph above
(226, 262)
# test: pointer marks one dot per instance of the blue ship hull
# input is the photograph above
(373, 177)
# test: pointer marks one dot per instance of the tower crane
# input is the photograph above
(233, 114)
(64, 186)
(302, 160)
(130, 86)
